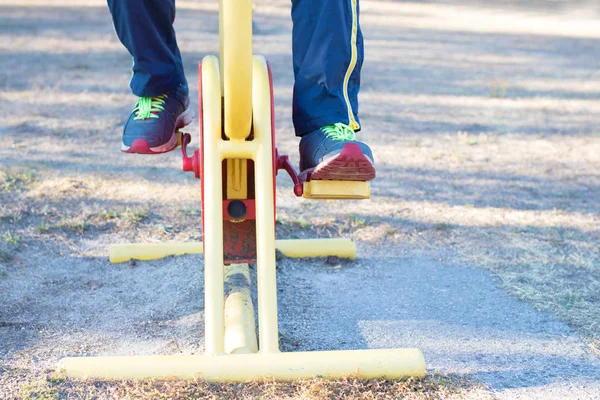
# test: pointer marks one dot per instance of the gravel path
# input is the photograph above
(455, 313)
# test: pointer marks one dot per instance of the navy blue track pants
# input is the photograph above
(327, 46)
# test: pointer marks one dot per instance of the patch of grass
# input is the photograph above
(442, 226)
(327, 227)
(43, 227)
(109, 215)
(134, 216)
(8, 246)
(584, 260)
(73, 225)
(128, 215)
(11, 238)
(40, 389)
(76, 225)
(11, 181)
(594, 346)
(391, 230)
(12, 217)
(20, 383)
(556, 268)
(293, 223)
(357, 221)
(295, 228)
(472, 140)
(497, 89)
(5, 255)
(85, 221)
(51, 385)
(190, 212)
(569, 300)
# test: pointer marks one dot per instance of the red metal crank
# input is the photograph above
(283, 162)
(190, 164)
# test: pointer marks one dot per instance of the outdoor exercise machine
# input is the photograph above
(237, 163)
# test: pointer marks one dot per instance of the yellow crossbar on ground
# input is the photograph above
(295, 248)
(365, 364)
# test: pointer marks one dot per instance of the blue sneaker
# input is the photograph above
(333, 153)
(153, 124)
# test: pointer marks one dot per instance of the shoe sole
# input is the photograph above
(349, 165)
(140, 146)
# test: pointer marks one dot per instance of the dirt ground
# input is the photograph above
(485, 126)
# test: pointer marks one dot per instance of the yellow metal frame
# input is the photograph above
(294, 248)
(259, 150)
(234, 350)
(235, 30)
(364, 364)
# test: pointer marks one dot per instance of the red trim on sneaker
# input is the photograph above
(139, 146)
(349, 165)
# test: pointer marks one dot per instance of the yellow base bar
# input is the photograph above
(364, 364)
(295, 248)
(344, 190)
(151, 251)
(299, 248)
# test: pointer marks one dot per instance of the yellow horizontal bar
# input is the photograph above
(151, 251)
(238, 149)
(294, 248)
(298, 248)
(365, 364)
(342, 190)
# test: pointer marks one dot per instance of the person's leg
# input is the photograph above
(145, 27)
(327, 46)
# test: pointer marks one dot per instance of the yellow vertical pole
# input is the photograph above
(265, 209)
(221, 47)
(213, 211)
(236, 59)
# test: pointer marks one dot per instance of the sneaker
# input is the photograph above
(153, 124)
(333, 153)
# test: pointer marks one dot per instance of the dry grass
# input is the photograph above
(20, 383)
(558, 270)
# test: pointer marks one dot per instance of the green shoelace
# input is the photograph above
(340, 132)
(149, 107)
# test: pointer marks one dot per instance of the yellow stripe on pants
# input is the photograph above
(352, 121)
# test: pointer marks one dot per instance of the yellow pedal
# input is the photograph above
(343, 190)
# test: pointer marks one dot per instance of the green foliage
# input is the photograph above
(11, 238)
(11, 181)
(134, 216)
